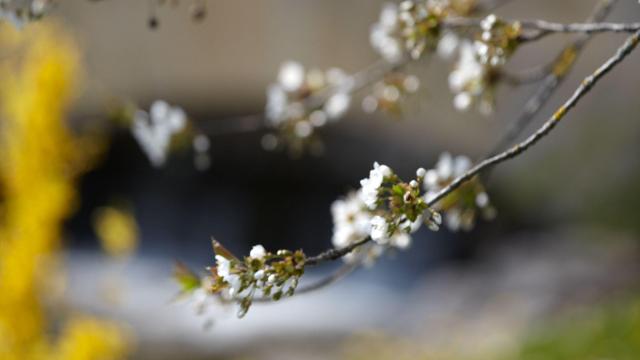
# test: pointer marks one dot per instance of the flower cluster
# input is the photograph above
(398, 203)
(154, 130)
(270, 275)
(388, 93)
(410, 27)
(460, 207)
(20, 12)
(386, 209)
(498, 40)
(302, 101)
(475, 73)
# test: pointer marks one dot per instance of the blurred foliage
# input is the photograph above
(40, 161)
(612, 332)
(609, 331)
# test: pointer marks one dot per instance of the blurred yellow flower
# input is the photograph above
(117, 230)
(87, 338)
(40, 161)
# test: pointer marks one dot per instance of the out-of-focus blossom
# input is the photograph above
(117, 230)
(470, 79)
(460, 207)
(302, 101)
(385, 34)
(388, 94)
(385, 209)
(448, 45)
(351, 220)
(474, 76)
(155, 129)
(408, 28)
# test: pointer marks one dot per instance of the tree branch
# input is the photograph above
(541, 28)
(544, 28)
(334, 254)
(582, 90)
(558, 71)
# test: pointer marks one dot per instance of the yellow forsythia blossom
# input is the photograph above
(117, 230)
(40, 161)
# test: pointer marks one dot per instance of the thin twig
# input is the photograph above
(519, 148)
(526, 76)
(560, 68)
(544, 28)
(342, 271)
(330, 279)
(540, 28)
(334, 254)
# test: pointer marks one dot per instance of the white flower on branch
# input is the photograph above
(154, 130)
(407, 28)
(379, 229)
(372, 184)
(261, 273)
(385, 209)
(291, 76)
(474, 76)
(257, 252)
(469, 79)
(351, 220)
(448, 45)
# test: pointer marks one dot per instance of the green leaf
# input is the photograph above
(187, 279)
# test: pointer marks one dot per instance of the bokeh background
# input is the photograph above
(554, 276)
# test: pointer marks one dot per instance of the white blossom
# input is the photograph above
(223, 268)
(458, 214)
(154, 130)
(301, 101)
(379, 230)
(257, 252)
(446, 170)
(337, 105)
(448, 45)
(351, 220)
(291, 76)
(468, 79)
(400, 240)
(258, 275)
(384, 35)
(371, 185)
